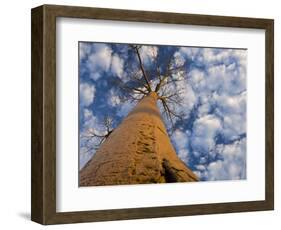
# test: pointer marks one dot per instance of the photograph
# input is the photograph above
(175, 109)
(153, 113)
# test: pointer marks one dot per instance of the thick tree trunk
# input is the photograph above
(138, 151)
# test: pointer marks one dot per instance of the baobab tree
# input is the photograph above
(139, 149)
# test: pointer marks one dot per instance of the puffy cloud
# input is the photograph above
(87, 93)
(84, 49)
(189, 52)
(217, 82)
(222, 70)
(113, 98)
(100, 58)
(204, 131)
(189, 99)
(227, 79)
(184, 155)
(197, 79)
(233, 163)
(214, 56)
(232, 104)
(201, 167)
(218, 79)
(117, 65)
(204, 109)
(179, 60)
(232, 109)
(148, 54)
(230, 166)
(180, 139)
(91, 122)
(87, 114)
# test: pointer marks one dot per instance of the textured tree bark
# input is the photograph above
(138, 151)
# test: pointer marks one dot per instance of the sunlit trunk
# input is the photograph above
(138, 151)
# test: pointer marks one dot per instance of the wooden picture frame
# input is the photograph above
(43, 189)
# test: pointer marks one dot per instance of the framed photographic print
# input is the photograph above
(141, 114)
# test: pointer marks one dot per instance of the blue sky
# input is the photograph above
(211, 137)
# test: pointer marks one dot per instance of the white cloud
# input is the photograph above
(233, 111)
(204, 109)
(100, 59)
(233, 165)
(87, 114)
(232, 104)
(227, 106)
(221, 87)
(213, 56)
(204, 131)
(95, 75)
(180, 140)
(183, 154)
(189, 52)
(197, 79)
(201, 167)
(90, 120)
(117, 65)
(179, 60)
(226, 79)
(113, 98)
(219, 78)
(92, 123)
(234, 125)
(148, 54)
(87, 93)
(84, 49)
(188, 97)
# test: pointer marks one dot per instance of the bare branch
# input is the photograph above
(130, 89)
(167, 111)
(136, 48)
(139, 80)
(94, 139)
(139, 90)
(134, 98)
(168, 74)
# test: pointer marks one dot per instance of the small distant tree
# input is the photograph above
(94, 138)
